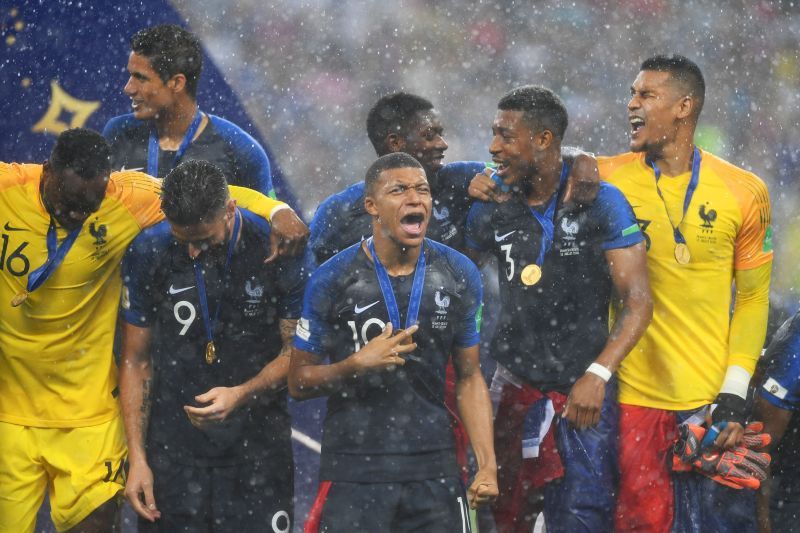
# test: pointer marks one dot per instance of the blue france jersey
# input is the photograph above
(550, 332)
(782, 384)
(341, 219)
(243, 161)
(390, 425)
(160, 292)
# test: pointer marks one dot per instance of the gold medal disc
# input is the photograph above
(531, 275)
(211, 352)
(20, 297)
(682, 254)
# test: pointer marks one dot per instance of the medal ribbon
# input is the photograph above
(547, 219)
(152, 145)
(55, 255)
(687, 199)
(201, 284)
(388, 293)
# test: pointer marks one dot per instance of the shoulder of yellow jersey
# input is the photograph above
(138, 193)
(742, 182)
(129, 181)
(610, 164)
(14, 174)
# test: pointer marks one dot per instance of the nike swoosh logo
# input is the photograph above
(499, 238)
(8, 227)
(360, 310)
(123, 169)
(173, 290)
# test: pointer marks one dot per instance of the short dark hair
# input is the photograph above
(684, 71)
(83, 151)
(541, 107)
(388, 162)
(393, 113)
(171, 50)
(193, 192)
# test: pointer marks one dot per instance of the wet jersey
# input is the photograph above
(681, 360)
(160, 292)
(243, 161)
(548, 333)
(392, 425)
(341, 219)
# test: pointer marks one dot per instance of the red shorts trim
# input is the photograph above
(315, 515)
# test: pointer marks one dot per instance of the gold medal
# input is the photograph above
(531, 275)
(20, 297)
(682, 254)
(211, 352)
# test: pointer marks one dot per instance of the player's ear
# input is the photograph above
(685, 107)
(177, 83)
(230, 207)
(369, 206)
(395, 142)
(543, 139)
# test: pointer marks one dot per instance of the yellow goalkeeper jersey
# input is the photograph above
(681, 360)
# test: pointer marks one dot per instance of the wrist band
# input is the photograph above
(600, 371)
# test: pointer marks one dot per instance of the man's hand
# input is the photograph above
(222, 402)
(484, 188)
(583, 182)
(585, 401)
(383, 352)
(731, 409)
(288, 236)
(483, 489)
(139, 490)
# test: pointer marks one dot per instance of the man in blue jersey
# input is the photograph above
(167, 125)
(559, 266)
(388, 313)
(206, 340)
(779, 397)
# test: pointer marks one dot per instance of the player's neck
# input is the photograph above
(172, 124)
(541, 187)
(675, 158)
(398, 260)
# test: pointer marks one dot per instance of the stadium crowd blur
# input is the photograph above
(309, 70)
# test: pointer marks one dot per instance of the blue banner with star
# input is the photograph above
(63, 67)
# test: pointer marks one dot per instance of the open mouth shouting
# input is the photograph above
(637, 123)
(413, 224)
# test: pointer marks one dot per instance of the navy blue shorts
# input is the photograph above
(250, 497)
(433, 506)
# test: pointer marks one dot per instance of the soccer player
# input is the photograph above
(778, 502)
(167, 125)
(66, 225)
(560, 267)
(202, 372)
(388, 313)
(707, 227)
(403, 122)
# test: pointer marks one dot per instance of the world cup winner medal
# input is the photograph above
(18, 298)
(682, 254)
(531, 275)
(211, 353)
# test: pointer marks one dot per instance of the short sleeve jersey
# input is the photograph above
(681, 360)
(341, 219)
(160, 292)
(56, 363)
(548, 333)
(390, 426)
(243, 161)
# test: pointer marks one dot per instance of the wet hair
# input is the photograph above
(194, 192)
(83, 151)
(541, 108)
(394, 113)
(684, 71)
(388, 162)
(171, 50)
